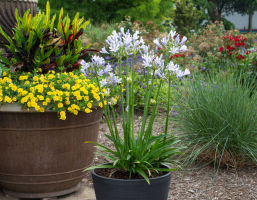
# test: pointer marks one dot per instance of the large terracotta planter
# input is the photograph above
(7, 14)
(42, 156)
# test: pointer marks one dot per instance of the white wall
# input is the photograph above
(241, 22)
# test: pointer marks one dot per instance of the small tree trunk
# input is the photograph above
(250, 23)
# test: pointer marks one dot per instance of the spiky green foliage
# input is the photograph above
(185, 17)
(219, 121)
(38, 46)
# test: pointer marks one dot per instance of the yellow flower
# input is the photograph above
(56, 98)
(97, 97)
(32, 89)
(20, 90)
(67, 102)
(14, 88)
(86, 98)
(4, 73)
(79, 97)
(87, 110)
(63, 117)
(26, 82)
(60, 105)
(1, 98)
(101, 104)
(34, 104)
(35, 78)
(29, 104)
(75, 112)
(67, 94)
(48, 100)
(14, 99)
(37, 108)
(44, 103)
(41, 98)
(24, 93)
(42, 110)
(31, 95)
(50, 76)
(60, 93)
(89, 105)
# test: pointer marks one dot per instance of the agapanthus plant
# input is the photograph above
(140, 151)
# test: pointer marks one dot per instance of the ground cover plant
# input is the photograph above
(218, 120)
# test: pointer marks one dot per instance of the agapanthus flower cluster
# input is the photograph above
(157, 66)
(99, 68)
(172, 43)
(122, 44)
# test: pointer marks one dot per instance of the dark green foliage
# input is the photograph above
(228, 25)
(185, 17)
(113, 10)
(38, 46)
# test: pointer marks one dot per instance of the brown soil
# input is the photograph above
(118, 174)
(197, 183)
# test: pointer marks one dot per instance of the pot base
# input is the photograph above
(41, 195)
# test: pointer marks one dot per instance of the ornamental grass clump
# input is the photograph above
(140, 152)
(42, 67)
(218, 120)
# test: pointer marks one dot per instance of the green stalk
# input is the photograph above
(128, 104)
(146, 109)
(168, 110)
(122, 110)
(132, 99)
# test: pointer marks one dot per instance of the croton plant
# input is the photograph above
(38, 45)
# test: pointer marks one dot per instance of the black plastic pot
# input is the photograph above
(131, 189)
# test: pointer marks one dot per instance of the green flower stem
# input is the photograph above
(122, 110)
(132, 99)
(106, 111)
(128, 124)
(168, 110)
(146, 109)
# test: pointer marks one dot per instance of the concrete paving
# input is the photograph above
(84, 193)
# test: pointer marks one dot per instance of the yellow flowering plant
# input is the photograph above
(61, 92)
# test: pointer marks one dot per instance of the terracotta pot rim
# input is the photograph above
(131, 180)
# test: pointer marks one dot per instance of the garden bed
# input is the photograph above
(195, 183)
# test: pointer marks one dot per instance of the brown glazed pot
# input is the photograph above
(7, 14)
(43, 156)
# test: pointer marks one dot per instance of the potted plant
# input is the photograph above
(7, 19)
(138, 169)
(41, 155)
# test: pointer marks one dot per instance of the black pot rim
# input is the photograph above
(125, 180)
